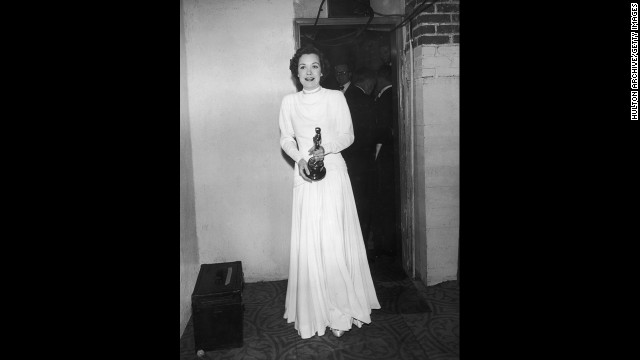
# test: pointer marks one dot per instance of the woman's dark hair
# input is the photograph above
(309, 49)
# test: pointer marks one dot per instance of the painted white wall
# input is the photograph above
(440, 121)
(238, 55)
(434, 186)
(309, 9)
(189, 264)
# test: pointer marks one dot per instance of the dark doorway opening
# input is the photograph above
(365, 51)
(361, 44)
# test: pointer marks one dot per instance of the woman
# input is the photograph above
(329, 283)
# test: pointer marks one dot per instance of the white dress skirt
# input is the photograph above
(330, 283)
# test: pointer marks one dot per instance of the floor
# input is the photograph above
(415, 322)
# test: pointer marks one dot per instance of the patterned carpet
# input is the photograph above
(415, 322)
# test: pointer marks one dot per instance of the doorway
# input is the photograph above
(365, 43)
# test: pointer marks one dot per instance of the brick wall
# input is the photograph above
(438, 24)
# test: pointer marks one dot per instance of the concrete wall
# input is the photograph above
(189, 263)
(435, 129)
(309, 9)
(441, 131)
(238, 55)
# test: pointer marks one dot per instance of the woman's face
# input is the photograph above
(309, 71)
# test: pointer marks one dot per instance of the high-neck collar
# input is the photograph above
(312, 91)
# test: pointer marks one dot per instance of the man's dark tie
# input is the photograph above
(341, 87)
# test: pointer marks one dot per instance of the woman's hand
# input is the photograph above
(317, 154)
(302, 167)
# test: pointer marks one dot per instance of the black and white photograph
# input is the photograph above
(320, 179)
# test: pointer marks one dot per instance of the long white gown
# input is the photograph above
(330, 282)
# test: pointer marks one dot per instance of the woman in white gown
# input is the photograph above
(330, 282)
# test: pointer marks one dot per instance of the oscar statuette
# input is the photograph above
(317, 170)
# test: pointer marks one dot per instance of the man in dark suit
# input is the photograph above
(360, 155)
(384, 193)
(342, 74)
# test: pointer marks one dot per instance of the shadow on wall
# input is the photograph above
(288, 159)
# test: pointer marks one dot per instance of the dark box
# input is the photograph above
(216, 304)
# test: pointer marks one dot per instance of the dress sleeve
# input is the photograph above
(344, 127)
(287, 136)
